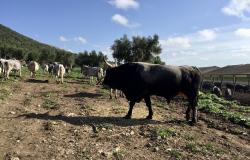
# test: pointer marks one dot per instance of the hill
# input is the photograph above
(232, 69)
(16, 45)
(208, 69)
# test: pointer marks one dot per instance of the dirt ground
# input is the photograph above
(76, 120)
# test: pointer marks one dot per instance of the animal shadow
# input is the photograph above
(90, 120)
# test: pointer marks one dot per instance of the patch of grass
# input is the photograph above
(27, 101)
(163, 133)
(50, 104)
(175, 154)
(189, 137)
(210, 103)
(210, 148)
(4, 93)
(192, 147)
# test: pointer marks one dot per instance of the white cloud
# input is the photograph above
(243, 32)
(124, 4)
(80, 39)
(63, 39)
(238, 8)
(119, 19)
(176, 42)
(207, 34)
(122, 20)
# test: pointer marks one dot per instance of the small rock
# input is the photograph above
(244, 133)
(117, 149)
(223, 136)
(39, 105)
(12, 112)
(71, 114)
(169, 149)
(14, 158)
(104, 129)
(156, 149)
(204, 132)
(159, 137)
(149, 145)
(132, 133)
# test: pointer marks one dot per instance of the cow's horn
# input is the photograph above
(108, 64)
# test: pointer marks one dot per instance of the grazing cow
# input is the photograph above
(208, 86)
(33, 67)
(229, 85)
(45, 68)
(141, 80)
(10, 65)
(217, 91)
(59, 71)
(228, 93)
(241, 88)
(92, 72)
(218, 84)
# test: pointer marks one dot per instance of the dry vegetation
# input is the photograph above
(78, 121)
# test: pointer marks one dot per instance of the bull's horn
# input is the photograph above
(108, 64)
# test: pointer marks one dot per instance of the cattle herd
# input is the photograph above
(7, 66)
(227, 88)
(137, 81)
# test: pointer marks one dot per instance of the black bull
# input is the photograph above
(141, 80)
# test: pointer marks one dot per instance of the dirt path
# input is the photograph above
(78, 121)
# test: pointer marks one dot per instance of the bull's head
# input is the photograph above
(110, 78)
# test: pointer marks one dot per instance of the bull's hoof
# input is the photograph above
(149, 117)
(127, 117)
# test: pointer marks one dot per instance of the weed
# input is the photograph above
(27, 101)
(192, 147)
(50, 104)
(175, 154)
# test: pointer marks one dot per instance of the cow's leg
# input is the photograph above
(110, 94)
(148, 103)
(115, 93)
(129, 114)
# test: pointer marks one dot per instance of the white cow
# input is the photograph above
(33, 66)
(59, 71)
(9, 65)
(92, 72)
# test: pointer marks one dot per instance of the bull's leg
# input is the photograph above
(193, 105)
(188, 113)
(194, 108)
(129, 114)
(148, 103)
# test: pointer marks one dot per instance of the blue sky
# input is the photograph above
(193, 32)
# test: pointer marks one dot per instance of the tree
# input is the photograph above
(139, 49)
(122, 49)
